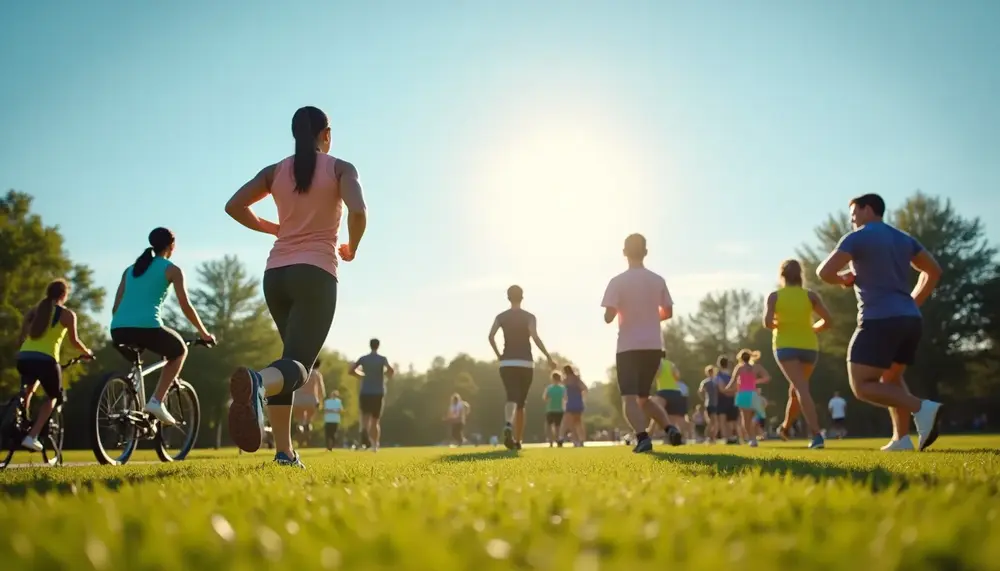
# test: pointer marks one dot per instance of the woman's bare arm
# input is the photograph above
(249, 194)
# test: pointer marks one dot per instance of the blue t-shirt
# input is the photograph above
(373, 370)
(143, 298)
(880, 260)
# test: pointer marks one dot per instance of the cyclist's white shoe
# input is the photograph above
(31, 444)
(155, 408)
(904, 444)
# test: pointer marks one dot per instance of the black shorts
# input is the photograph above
(330, 428)
(839, 423)
(637, 371)
(727, 408)
(677, 404)
(553, 418)
(457, 428)
(711, 409)
(371, 405)
(517, 382)
(880, 343)
(163, 341)
(47, 372)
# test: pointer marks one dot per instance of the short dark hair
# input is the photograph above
(635, 246)
(515, 293)
(870, 200)
(722, 362)
(374, 343)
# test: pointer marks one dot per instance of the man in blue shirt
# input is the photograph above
(375, 369)
(889, 319)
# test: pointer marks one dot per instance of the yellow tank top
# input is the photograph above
(50, 341)
(665, 381)
(793, 316)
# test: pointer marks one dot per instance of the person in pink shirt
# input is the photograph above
(309, 189)
(746, 376)
(640, 300)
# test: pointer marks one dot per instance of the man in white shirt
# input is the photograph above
(838, 412)
(332, 407)
(639, 299)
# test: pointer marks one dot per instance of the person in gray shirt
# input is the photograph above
(375, 369)
(709, 392)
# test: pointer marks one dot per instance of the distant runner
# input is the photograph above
(516, 364)
(375, 369)
(889, 319)
(576, 391)
(669, 396)
(838, 413)
(332, 408)
(747, 375)
(458, 411)
(640, 300)
(306, 401)
(728, 413)
(555, 401)
(708, 389)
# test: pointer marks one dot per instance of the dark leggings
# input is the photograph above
(302, 300)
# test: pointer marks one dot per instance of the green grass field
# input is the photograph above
(693, 507)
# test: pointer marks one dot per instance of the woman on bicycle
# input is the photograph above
(309, 189)
(136, 318)
(42, 335)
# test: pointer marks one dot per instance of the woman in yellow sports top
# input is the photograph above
(669, 396)
(789, 314)
(42, 335)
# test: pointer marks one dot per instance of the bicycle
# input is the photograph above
(16, 421)
(117, 410)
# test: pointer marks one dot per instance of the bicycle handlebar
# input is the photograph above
(201, 342)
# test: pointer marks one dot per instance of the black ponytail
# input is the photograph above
(160, 239)
(40, 320)
(307, 124)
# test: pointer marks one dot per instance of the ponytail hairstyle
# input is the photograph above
(710, 371)
(307, 123)
(747, 356)
(56, 290)
(791, 273)
(160, 240)
(723, 362)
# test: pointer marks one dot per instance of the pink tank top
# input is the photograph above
(748, 380)
(308, 222)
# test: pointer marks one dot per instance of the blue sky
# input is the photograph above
(500, 142)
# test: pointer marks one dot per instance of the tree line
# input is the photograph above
(959, 359)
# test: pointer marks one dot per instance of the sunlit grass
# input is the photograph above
(696, 507)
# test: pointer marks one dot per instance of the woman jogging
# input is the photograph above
(458, 411)
(136, 319)
(746, 376)
(572, 422)
(300, 280)
(789, 314)
(42, 333)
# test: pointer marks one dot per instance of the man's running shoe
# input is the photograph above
(283, 459)
(32, 444)
(926, 420)
(674, 436)
(818, 442)
(904, 444)
(246, 412)
(508, 437)
(643, 446)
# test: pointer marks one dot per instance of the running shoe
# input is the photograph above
(926, 420)
(902, 445)
(643, 446)
(31, 444)
(517, 446)
(283, 459)
(817, 442)
(783, 433)
(246, 412)
(508, 437)
(674, 436)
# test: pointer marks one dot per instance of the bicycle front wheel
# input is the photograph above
(112, 432)
(175, 442)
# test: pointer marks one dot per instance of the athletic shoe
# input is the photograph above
(926, 420)
(753, 443)
(817, 442)
(246, 412)
(643, 446)
(674, 436)
(783, 433)
(155, 408)
(31, 444)
(517, 446)
(282, 459)
(508, 437)
(904, 444)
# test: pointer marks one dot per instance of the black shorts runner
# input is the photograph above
(727, 408)
(637, 371)
(553, 418)
(371, 405)
(457, 428)
(517, 382)
(330, 428)
(47, 372)
(676, 402)
(163, 341)
(880, 343)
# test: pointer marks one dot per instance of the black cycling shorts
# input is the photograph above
(47, 372)
(163, 341)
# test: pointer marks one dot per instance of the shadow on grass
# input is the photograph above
(43, 483)
(876, 477)
(479, 456)
(931, 450)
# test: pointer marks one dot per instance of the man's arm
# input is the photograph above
(610, 302)
(533, 331)
(829, 269)
(389, 371)
(353, 371)
(666, 303)
(930, 275)
(493, 335)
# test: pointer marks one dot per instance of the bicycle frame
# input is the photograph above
(137, 374)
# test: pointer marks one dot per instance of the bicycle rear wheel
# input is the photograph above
(8, 434)
(175, 442)
(112, 433)
(52, 439)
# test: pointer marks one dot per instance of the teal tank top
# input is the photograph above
(143, 298)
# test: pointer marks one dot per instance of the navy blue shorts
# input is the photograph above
(806, 356)
(880, 343)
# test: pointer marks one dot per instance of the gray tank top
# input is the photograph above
(516, 336)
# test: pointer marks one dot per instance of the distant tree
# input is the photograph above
(31, 255)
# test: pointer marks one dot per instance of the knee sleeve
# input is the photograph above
(294, 376)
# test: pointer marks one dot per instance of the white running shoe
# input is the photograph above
(156, 409)
(904, 444)
(926, 420)
(753, 443)
(31, 444)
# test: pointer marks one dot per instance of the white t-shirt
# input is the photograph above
(334, 405)
(638, 294)
(838, 408)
